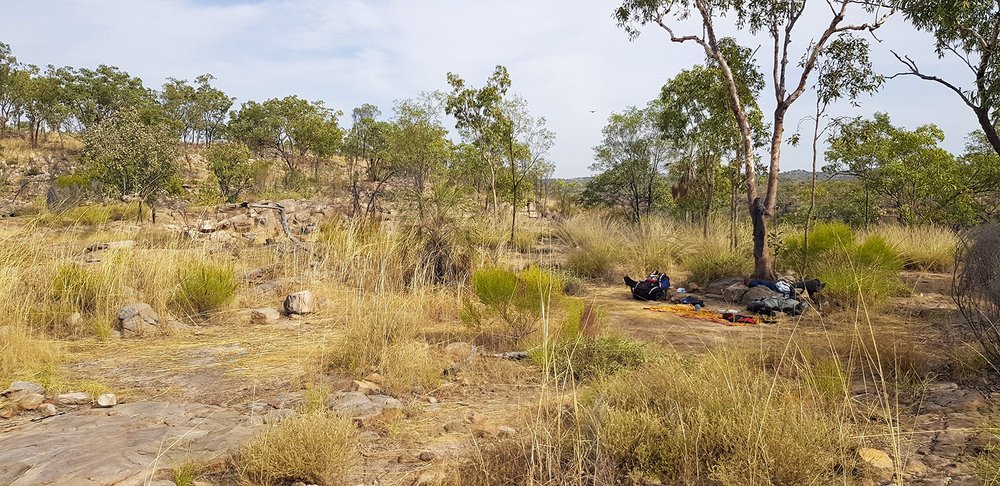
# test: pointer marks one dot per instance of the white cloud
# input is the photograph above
(566, 57)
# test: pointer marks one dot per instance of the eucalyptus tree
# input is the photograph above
(94, 95)
(132, 157)
(913, 176)
(289, 128)
(365, 147)
(480, 118)
(970, 32)
(526, 147)
(844, 70)
(10, 73)
(233, 167)
(630, 164)
(694, 114)
(775, 19)
(44, 102)
(420, 145)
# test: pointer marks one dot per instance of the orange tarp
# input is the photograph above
(686, 310)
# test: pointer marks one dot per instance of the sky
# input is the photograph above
(567, 58)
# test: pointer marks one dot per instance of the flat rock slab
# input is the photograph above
(126, 445)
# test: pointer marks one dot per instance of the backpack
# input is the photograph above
(647, 290)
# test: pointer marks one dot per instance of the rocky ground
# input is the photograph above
(193, 393)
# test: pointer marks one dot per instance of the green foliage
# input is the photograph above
(518, 300)
(589, 358)
(630, 163)
(92, 215)
(232, 167)
(853, 270)
(290, 128)
(197, 112)
(204, 287)
(131, 157)
(587, 263)
(186, 473)
(966, 30)
(910, 173)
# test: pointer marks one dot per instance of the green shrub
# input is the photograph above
(92, 215)
(312, 448)
(708, 265)
(525, 240)
(517, 300)
(854, 271)
(204, 287)
(927, 248)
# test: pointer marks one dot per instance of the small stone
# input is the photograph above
(455, 427)
(48, 409)
(178, 326)
(24, 387)
(734, 293)
(353, 404)
(879, 461)
(260, 407)
(408, 458)
(7, 414)
(300, 303)
(485, 431)
(266, 315)
(74, 398)
(386, 401)
(107, 400)
(506, 431)
(432, 400)
(756, 293)
(137, 320)
(30, 401)
(365, 387)
(427, 456)
(376, 379)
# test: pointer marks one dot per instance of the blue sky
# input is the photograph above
(566, 57)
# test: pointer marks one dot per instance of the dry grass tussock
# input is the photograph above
(380, 332)
(312, 447)
(927, 248)
(783, 412)
(604, 248)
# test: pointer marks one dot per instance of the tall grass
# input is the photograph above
(604, 248)
(927, 248)
(381, 333)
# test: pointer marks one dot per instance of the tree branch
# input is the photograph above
(914, 71)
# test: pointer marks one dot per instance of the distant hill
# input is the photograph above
(805, 175)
